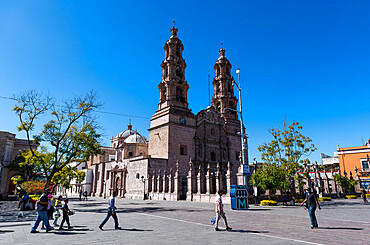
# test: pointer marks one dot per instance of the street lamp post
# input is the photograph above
(241, 127)
(255, 188)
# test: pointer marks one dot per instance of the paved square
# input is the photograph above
(165, 222)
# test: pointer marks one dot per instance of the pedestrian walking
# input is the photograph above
(80, 195)
(111, 212)
(363, 194)
(50, 210)
(66, 212)
(58, 207)
(85, 195)
(220, 212)
(312, 204)
(42, 205)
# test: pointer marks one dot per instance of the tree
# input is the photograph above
(270, 177)
(70, 134)
(65, 176)
(348, 185)
(27, 165)
(282, 156)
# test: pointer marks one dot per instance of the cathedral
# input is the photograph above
(187, 157)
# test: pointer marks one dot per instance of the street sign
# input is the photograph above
(245, 169)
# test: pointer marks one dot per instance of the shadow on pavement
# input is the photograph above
(124, 229)
(341, 228)
(67, 233)
(341, 203)
(248, 231)
(12, 225)
(133, 229)
(5, 231)
(256, 209)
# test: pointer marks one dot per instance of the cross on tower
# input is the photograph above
(222, 45)
(174, 22)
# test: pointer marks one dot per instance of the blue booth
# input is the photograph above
(239, 197)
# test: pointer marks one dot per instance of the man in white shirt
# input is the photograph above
(220, 212)
(111, 212)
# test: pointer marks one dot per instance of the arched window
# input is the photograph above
(179, 94)
(137, 176)
(130, 154)
(179, 71)
(164, 93)
(213, 156)
(218, 88)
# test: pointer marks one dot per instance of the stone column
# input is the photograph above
(153, 182)
(164, 181)
(208, 180)
(170, 183)
(102, 179)
(176, 182)
(217, 176)
(96, 168)
(228, 178)
(159, 179)
(199, 179)
(189, 194)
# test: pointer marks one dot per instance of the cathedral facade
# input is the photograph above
(188, 156)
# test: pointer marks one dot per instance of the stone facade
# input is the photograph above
(10, 147)
(187, 156)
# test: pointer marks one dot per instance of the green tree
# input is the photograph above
(282, 157)
(348, 185)
(28, 166)
(65, 176)
(69, 135)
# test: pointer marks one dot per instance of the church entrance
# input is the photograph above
(117, 185)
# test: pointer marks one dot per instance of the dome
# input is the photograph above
(135, 138)
(126, 133)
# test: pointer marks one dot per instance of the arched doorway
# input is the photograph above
(12, 187)
(117, 186)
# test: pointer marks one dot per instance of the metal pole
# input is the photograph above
(241, 127)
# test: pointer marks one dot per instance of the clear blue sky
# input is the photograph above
(307, 60)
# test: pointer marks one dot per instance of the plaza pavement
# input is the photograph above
(165, 222)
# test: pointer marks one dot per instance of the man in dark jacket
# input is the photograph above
(312, 203)
(42, 212)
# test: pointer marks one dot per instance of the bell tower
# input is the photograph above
(172, 127)
(173, 89)
(224, 99)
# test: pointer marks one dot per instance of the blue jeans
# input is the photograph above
(311, 212)
(110, 213)
(41, 216)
